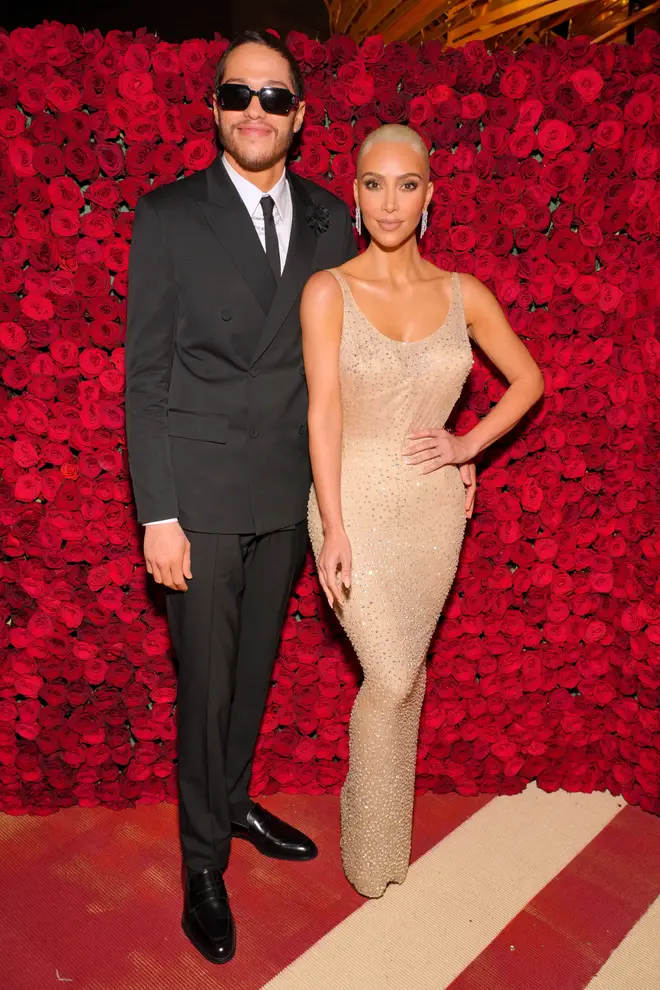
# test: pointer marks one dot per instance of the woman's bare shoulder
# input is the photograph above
(322, 285)
(474, 292)
(321, 295)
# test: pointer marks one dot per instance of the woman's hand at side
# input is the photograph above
(334, 567)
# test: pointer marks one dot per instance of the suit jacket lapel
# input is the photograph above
(226, 214)
(297, 268)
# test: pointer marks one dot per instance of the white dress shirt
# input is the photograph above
(282, 210)
(282, 215)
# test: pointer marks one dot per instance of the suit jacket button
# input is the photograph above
(254, 372)
(226, 314)
(301, 429)
(254, 432)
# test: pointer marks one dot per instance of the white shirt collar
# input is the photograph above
(252, 196)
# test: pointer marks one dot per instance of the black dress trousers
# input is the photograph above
(225, 630)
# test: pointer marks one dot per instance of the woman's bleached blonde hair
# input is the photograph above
(394, 133)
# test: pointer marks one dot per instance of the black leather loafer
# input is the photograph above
(207, 919)
(273, 837)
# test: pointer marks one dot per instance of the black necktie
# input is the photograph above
(272, 247)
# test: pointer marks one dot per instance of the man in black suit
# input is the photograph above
(216, 418)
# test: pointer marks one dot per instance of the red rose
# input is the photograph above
(62, 96)
(165, 58)
(92, 280)
(421, 110)
(646, 161)
(192, 55)
(372, 49)
(198, 154)
(139, 159)
(513, 82)
(522, 142)
(554, 136)
(197, 120)
(12, 123)
(64, 223)
(473, 106)
(462, 238)
(169, 86)
(97, 224)
(360, 89)
(168, 159)
(608, 134)
(111, 158)
(80, 160)
(132, 85)
(588, 82)
(64, 193)
(37, 307)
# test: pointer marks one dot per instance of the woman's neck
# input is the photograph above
(398, 265)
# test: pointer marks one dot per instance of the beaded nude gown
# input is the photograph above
(406, 531)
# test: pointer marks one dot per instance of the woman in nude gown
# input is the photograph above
(387, 349)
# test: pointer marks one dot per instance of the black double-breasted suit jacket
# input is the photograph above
(216, 397)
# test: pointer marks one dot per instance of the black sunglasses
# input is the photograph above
(273, 99)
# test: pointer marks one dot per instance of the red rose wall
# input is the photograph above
(546, 663)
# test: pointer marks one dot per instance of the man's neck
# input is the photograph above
(264, 180)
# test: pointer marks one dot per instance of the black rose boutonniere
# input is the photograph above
(318, 218)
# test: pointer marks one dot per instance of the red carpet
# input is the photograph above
(92, 900)
(571, 927)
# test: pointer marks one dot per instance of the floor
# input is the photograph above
(532, 892)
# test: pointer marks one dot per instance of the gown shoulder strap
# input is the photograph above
(343, 285)
(340, 278)
(457, 296)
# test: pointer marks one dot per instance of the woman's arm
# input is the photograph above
(321, 313)
(492, 332)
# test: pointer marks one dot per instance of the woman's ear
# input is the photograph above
(355, 191)
(429, 196)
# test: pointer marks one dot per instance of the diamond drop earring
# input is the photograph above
(358, 220)
(425, 223)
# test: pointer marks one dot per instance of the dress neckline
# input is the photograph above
(393, 340)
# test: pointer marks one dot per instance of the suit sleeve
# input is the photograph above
(150, 331)
(349, 246)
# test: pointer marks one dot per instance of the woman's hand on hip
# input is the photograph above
(433, 449)
(334, 567)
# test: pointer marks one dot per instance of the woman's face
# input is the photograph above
(392, 189)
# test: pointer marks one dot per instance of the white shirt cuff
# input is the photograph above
(158, 522)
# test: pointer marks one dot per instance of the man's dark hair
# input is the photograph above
(269, 41)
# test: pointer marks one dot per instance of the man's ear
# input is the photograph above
(300, 114)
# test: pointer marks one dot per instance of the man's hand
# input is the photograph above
(167, 555)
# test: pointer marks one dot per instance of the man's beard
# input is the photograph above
(256, 161)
